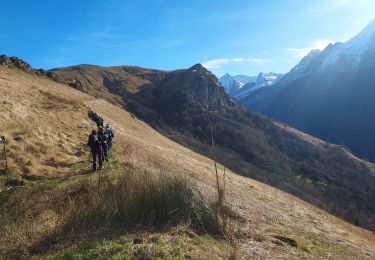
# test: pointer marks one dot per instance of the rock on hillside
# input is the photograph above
(14, 62)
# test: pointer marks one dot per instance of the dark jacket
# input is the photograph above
(109, 134)
(103, 138)
(95, 141)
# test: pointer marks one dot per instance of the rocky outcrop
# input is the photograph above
(75, 83)
(14, 62)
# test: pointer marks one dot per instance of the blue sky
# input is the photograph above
(239, 36)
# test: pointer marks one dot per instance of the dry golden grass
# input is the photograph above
(45, 129)
(122, 80)
(50, 131)
(51, 216)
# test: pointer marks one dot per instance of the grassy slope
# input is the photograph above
(119, 79)
(52, 118)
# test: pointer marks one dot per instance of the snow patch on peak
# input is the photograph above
(260, 81)
(244, 79)
(229, 83)
(351, 52)
(267, 78)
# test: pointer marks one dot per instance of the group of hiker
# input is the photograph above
(96, 118)
(100, 141)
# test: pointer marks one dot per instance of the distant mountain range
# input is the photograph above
(240, 86)
(329, 94)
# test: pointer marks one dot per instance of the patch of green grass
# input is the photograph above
(323, 249)
(5, 195)
(5, 106)
(210, 242)
(81, 165)
(115, 161)
(312, 246)
(145, 246)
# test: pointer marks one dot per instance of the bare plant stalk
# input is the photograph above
(213, 146)
(224, 180)
(229, 227)
(205, 108)
(212, 124)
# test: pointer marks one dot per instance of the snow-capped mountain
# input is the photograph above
(232, 84)
(244, 79)
(302, 67)
(329, 94)
(352, 52)
(350, 56)
(229, 83)
(263, 80)
(240, 85)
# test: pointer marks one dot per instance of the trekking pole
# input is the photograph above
(2, 140)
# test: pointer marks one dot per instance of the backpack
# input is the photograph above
(108, 135)
(94, 141)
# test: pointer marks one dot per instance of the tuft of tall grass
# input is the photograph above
(40, 216)
(140, 198)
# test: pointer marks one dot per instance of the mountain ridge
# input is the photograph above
(328, 94)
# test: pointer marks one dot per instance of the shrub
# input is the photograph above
(140, 198)
(43, 215)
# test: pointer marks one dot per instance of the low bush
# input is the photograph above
(42, 216)
(140, 198)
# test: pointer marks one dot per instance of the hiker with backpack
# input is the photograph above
(96, 118)
(99, 121)
(91, 114)
(108, 132)
(104, 144)
(95, 143)
(100, 141)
